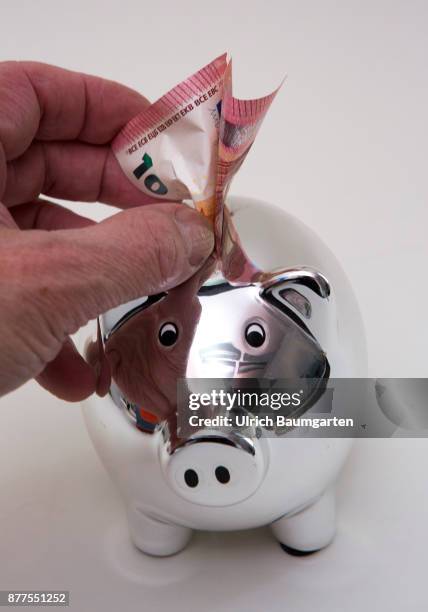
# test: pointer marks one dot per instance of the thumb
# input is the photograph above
(53, 282)
(140, 251)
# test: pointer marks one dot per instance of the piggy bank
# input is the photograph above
(300, 320)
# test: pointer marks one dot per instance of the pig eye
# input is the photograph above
(168, 334)
(255, 335)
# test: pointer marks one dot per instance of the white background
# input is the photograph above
(344, 148)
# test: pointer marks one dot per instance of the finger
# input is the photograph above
(68, 376)
(49, 103)
(41, 214)
(142, 251)
(71, 171)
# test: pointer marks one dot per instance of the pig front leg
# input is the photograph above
(310, 529)
(155, 537)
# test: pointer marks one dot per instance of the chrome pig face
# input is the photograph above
(263, 331)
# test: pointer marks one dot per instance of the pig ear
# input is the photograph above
(298, 292)
(303, 277)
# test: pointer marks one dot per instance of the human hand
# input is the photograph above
(63, 270)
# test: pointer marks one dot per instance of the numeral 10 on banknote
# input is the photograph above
(151, 182)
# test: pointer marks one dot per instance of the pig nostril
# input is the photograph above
(191, 478)
(222, 474)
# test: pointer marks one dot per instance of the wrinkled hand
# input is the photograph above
(63, 270)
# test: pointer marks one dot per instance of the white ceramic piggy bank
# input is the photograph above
(302, 322)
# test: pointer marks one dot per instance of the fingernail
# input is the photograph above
(197, 234)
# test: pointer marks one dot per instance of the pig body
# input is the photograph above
(303, 323)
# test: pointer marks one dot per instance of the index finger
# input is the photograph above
(43, 102)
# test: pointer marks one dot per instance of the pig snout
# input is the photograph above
(214, 470)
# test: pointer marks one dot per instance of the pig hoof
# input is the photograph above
(298, 553)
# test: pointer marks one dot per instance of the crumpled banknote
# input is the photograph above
(189, 145)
